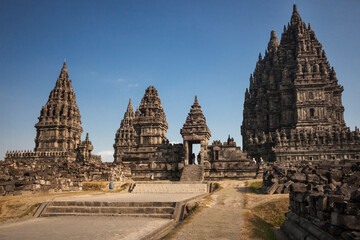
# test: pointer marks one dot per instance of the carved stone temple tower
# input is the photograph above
(59, 127)
(294, 101)
(125, 137)
(195, 130)
(150, 120)
(58, 131)
(141, 133)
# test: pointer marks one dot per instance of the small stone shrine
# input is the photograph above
(195, 131)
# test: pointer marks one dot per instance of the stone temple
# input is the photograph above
(292, 112)
(142, 148)
(58, 132)
(293, 108)
(293, 115)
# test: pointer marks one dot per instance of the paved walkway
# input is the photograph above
(81, 228)
(221, 220)
(95, 227)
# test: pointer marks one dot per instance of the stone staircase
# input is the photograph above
(130, 209)
(190, 188)
(192, 173)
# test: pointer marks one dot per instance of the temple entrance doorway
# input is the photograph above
(195, 154)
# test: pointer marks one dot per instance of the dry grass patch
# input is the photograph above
(93, 186)
(273, 212)
(104, 186)
(258, 228)
(256, 186)
(261, 220)
(16, 210)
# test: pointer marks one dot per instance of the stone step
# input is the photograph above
(112, 204)
(111, 210)
(170, 188)
(96, 208)
(169, 216)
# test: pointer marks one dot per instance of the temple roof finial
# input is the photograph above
(64, 69)
(196, 100)
(295, 18)
(130, 104)
(87, 137)
(295, 8)
(274, 41)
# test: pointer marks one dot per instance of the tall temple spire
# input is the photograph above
(143, 131)
(288, 83)
(59, 127)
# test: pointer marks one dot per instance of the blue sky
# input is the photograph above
(116, 49)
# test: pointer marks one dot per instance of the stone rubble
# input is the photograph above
(324, 197)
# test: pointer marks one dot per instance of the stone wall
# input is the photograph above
(227, 161)
(324, 198)
(162, 165)
(24, 176)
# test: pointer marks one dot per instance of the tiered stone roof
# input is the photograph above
(293, 86)
(143, 131)
(59, 127)
(195, 124)
(150, 109)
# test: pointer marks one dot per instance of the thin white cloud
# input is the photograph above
(121, 80)
(106, 155)
(133, 85)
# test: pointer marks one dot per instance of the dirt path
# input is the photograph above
(225, 215)
(221, 219)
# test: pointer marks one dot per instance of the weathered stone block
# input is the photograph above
(279, 189)
(272, 189)
(355, 196)
(333, 199)
(351, 222)
(298, 187)
(347, 208)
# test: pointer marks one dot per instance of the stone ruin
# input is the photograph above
(58, 132)
(60, 160)
(227, 160)
(141, 144)
(25, 176)
(142, 148)
(293, 108)
(324, 198)
(293, 116)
